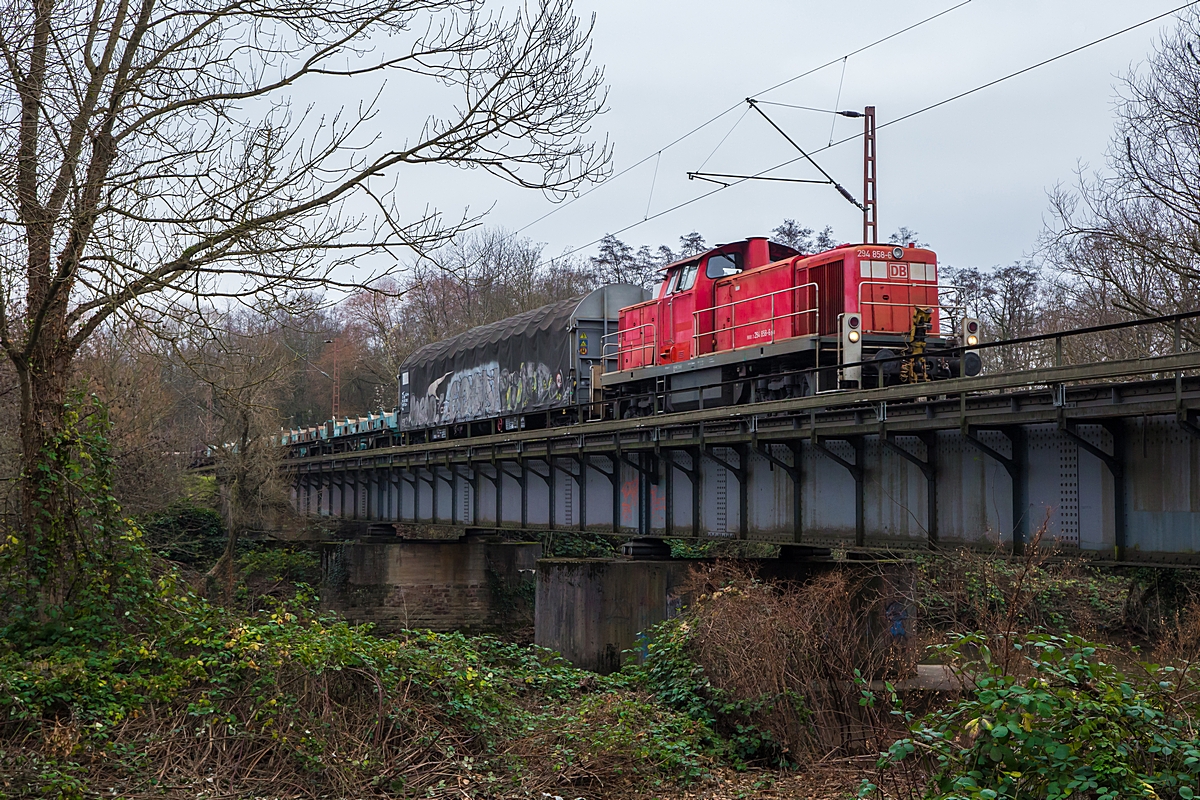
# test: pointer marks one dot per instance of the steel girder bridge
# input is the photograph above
(1092, 433)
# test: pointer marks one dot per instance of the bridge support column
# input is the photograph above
(433, 494)
(494, 480)
(614, 478)
(555, 465)
(645, 472)
(1116, 467)
(793, 472)
(740, 473)
(856, 472)
(355, 488)
(1017, 468)
(411, 479)
(692, 475)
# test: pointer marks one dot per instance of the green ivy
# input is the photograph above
(78, 571)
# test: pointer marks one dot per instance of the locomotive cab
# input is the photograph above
(678, 323)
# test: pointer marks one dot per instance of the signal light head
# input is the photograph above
(972, 340)
(972, 327)
(853, 336)
(852, 321)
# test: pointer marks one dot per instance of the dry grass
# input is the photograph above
(800, 655)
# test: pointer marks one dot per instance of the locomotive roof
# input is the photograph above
(554, 316)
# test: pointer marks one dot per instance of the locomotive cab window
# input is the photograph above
(723, 264)
(685, 278)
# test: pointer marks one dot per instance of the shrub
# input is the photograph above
(280, 564)
(777, 669)
(1067, 723)
(286, 700)
(187, 533)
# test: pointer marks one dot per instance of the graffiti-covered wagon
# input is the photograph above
(524, 371)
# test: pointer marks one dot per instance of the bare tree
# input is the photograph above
(242, 369)
(1010, 302)
(800, 238)
(151, 160)
(1131, 235)
(126, 367)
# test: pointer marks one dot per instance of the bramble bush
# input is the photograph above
(291, 696)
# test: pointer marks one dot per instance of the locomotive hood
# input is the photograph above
(528, 362)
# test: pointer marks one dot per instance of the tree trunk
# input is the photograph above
(49, 533)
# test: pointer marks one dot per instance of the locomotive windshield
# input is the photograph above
(684, 278)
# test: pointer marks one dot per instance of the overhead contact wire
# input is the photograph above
(838, 102)
(705, 124)
(653, 181)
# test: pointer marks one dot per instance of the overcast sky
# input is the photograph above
(971, 176)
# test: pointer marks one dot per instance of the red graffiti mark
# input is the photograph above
(658, 503)
(629, 492)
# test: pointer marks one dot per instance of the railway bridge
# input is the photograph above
(1093, 433)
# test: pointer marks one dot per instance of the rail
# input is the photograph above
(734, 326)
(1164, 348)
(1122, 360)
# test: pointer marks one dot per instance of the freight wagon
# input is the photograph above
(527, 371)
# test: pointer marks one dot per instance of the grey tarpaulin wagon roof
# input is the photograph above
(527, 362)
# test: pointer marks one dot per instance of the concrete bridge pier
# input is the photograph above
(474, 583)
(594, 611)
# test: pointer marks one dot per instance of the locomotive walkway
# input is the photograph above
(1092, 431)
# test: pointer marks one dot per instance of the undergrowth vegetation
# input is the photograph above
(199, 698)
(135, 685)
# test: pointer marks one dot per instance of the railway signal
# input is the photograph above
(972, 361)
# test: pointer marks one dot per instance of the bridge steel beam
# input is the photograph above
(1016, 467)
(928, 467)
(792, 470)
(856, 471)
(1115, 462)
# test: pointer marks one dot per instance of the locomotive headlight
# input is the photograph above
(854, 336)
(897, 253)
(972, 340)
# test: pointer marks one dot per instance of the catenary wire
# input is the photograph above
(734, 107)
(989, 84)
(908, 116)
(838, 102)
(726, 136)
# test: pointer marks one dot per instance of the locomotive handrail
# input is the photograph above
(958, 349)
(861, 303)
(616, 354)
(733, 327)
(1104, 368)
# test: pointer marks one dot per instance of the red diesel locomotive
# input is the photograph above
(756, 320)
